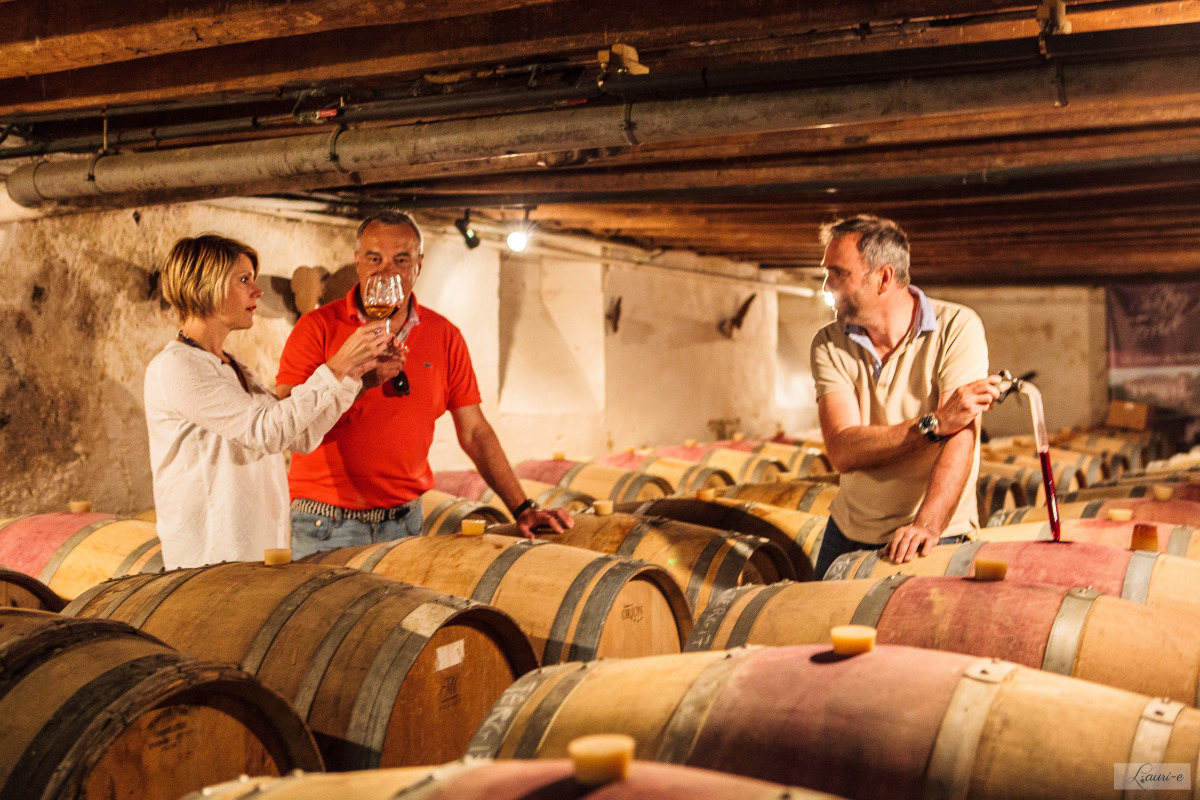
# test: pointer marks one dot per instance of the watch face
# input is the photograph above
(927, 425)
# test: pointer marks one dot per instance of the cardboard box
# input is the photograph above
(1128, 415)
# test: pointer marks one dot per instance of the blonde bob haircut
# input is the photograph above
(196, 276)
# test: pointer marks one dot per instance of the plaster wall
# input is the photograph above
(795, 398)
(1059, 332)
(80, 316)
(672, 375)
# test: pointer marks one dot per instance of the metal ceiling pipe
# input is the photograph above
(276, 162)
(806, 73)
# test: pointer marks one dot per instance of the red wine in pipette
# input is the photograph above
(1051, 499)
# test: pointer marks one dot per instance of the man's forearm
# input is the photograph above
(946, 482)
(483, 448)
(871, 446)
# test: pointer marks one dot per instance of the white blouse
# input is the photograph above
(216, 453)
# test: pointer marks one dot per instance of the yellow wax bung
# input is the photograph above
(601, 758)
(707, 495)
(473, 527)
(1144, 537)
(1120, 514)
(80, 506)
(1163, 493)
(275, 556)
(603, 508)
(850, 640)
(987, 569)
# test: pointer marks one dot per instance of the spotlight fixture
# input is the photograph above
(470, 238)
(518, 240)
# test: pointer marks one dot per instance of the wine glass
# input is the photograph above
(380, 296)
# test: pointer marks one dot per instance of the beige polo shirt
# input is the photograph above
(947, 350)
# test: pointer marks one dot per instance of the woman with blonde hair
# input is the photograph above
(217, 436)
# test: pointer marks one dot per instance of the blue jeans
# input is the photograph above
(312, 533)
(834, 543)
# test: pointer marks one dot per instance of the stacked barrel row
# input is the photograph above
(723, 554)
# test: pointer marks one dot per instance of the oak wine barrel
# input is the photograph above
(685, 476)
(1071, 631)
(384, 673)
(597, 480)
(812, 497)
(798, 461)
(1177, 540)
(471, 485)
(18, 590)
(703, 561)
(443, 514)
(744, 467)
(73, 552)
(995, 493)
(1143, 509)
(1176, 490)
(1028, 476)
(797, 533)
(573, 604)
(1155, 579)
(1088, 466)
(93, 708)
(482, 779)
(896, 722)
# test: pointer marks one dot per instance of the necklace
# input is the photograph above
(190, 342)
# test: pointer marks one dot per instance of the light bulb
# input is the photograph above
(517, 241)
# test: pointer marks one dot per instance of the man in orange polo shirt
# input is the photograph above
(364, 482)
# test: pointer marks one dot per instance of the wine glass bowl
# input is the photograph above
(381, 294)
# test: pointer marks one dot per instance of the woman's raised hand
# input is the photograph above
(359, 353)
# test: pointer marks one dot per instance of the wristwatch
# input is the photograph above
(928, 425)
(521, 509)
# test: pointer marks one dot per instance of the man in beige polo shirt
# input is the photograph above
(901, 381)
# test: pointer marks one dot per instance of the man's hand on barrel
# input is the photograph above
(543, 520)
(960, 407)
(909, 541)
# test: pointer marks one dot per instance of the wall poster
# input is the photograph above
(1154, 344)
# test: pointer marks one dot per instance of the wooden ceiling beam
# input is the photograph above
(53, 36)
(529, 32)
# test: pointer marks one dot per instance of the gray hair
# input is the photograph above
(391, 218)
(881, 242)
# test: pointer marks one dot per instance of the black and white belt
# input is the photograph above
(371, 516)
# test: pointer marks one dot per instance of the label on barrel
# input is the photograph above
(450, 655)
